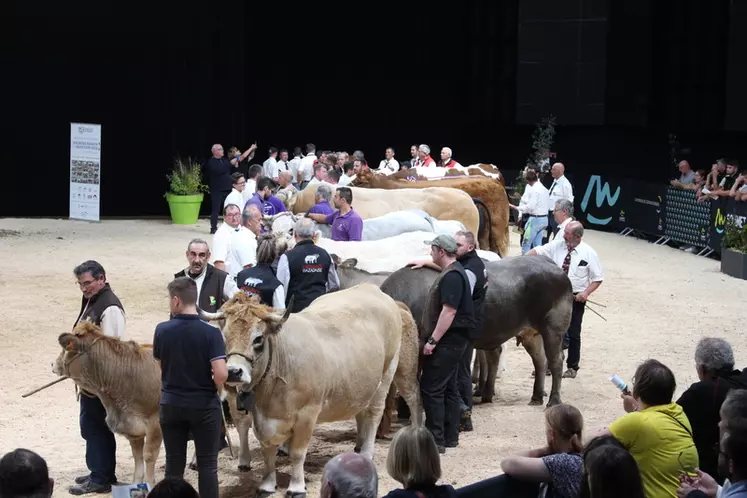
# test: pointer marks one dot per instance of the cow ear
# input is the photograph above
(69, 342)
(349, 263)
(335, 259)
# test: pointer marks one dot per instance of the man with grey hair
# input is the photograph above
(349, 475)
(560, 189)
(213, 285)
(446, 160)
(562, 214)
(307, 270)
(323, 199)
(424, 157)
(714, 363)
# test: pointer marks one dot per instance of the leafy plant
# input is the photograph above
(186, 177)
(735, 237)
(542, 140)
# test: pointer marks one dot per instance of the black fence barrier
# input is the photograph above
(688, 221)
(723, 209)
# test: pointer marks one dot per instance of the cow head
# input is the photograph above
(249, 329)
(74, 344)
(348, 263)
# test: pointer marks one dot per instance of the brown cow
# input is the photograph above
(489, 191)
(481, 169)
(127, 379)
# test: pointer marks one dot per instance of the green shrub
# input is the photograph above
(735, 238)
(186, 178)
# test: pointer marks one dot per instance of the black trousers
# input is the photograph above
(464, 378)
(552, 225)
(217, 199)
(502, 486)
(204, 424)
(101, 447)
(574, 335)
(438, 386)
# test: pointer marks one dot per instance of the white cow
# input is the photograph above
(436, 172)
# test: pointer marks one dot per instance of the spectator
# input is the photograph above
(270, 166)
(348, 175)
(414, 462)
(254, 174)
(739, 189)
(533, 208)
(349, 475)
(320, 174)
(306, 166)
(656, 431)
(597, 442)
(389, 164)
(714, 363)
(559, 463)
(294, 164)
(728, 181)
(687, 176)
(24, 474)
(346, 223)
(611, 472)
(323, 199)
(271, 205)
(237, 157)
(236, 197)
(173, 487)
(718, 172)
(333, 176)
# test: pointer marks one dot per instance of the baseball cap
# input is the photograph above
(445, 242)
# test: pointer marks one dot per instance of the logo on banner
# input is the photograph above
(85, 129)
(622, 218)
(602, 194)
(720, 221)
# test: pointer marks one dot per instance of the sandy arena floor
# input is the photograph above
(660, 301)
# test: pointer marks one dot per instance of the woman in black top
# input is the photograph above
(192, 355)
(260, 280)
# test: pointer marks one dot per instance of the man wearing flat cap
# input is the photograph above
(449, 317)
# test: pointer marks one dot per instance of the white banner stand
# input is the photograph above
(85, 171)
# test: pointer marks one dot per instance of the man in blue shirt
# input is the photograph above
(192, 356)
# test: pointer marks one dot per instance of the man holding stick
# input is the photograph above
(101, 306)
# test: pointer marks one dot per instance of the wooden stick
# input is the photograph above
(595, 304)
(65, 377)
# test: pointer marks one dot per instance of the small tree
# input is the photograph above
(542, 140)
(735, 237)
(186, 178)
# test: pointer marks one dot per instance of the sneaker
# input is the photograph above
(90, 487)
(570, 373)
(82, 479)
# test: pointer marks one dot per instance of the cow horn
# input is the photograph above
(209, 316)
(287, 311)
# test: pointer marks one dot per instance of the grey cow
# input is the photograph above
(523, 292)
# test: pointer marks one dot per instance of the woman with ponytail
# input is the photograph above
(558, 465)
(260, 280)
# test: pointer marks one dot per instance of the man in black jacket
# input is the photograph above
(102, 307)
(714, 362)
(213, 285)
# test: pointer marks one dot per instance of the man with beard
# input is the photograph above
(345, 222)
(271, 205)
(478, 282)
(213, 285)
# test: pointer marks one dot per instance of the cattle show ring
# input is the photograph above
(652, 304)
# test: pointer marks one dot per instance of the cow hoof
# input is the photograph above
(300, 494)
(553, 401)
(535, 402)
(245, 468)
(261, 493)
(486, 399)
(357, 449)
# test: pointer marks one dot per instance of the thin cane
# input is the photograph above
(596, 313)
(595, 304)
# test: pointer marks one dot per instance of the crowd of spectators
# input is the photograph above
(724, 180)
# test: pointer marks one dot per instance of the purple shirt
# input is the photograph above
(256, 200)
(273, 206)
(322, 208)
(347, 227)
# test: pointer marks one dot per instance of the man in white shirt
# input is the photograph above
(270, 166)
(389, 165)
(283, 161)
(222, 238)
(294, 164)
(243, 251)
(320, 174)
(561, 188)
(581, 263)
(255, 173)
(348, 175)
(306, 167)
(533, 207)
(236, 196)
(563, 215)
(446, 159)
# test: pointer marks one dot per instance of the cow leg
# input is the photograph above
(476, 368)
(481, 363)
(369, 418)
(299, 445)
(153, 440)
(492, 358)
(137, 444)
(553, 342)
(243, 424)
(268, 486)
(534, 347)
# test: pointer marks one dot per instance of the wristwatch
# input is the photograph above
(432, 341)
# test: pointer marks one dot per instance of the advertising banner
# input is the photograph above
(687, 220)
(601, 203)
(85, 171)
(723, 209)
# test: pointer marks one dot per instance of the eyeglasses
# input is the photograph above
(85, 284)
(232, 215)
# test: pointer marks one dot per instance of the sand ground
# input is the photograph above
(660, 301)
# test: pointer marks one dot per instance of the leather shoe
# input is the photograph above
(441, 449)
(90, 487)
(82, 479)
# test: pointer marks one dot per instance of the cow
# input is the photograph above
(439, 202)
(432, 173)
(334, 360)
(523, 292)
(350, 276)
(127, 379)
(492, 234)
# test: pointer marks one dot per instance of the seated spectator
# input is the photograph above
(414, 462)
(714, 362)
(597, 442)
(728, 181)
(739, 189)
(687, 176)
(656, 431)
(323, 199)
(173, 487)
(611, 472)
(349, 475)
(558, 464)
(24, 474)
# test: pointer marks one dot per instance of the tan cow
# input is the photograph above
(127, 379)
(441, 203)
(333, 361)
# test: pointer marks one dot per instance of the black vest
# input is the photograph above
(464, 321)
(309, 268)
(97, 304)
(472, 262)
(211, 292)
(259, 281)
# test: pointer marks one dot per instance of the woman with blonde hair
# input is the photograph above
(260, 280)
(414, 462)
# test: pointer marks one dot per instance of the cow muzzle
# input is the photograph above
(239, 371)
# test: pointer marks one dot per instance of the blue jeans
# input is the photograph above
(101, 447)
(533, 231)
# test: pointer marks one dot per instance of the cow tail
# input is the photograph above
(481, 207)
(385, 426)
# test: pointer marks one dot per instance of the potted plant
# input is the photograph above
(734, 250)
(186, 191)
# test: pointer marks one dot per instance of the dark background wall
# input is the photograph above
(165, 81)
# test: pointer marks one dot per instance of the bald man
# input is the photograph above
(446, 160)
(561, 189)
(349, 475)
(219, 170)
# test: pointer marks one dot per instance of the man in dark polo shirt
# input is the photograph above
(218, 170)
(101, 306)
(449, 314)
(192, 356)
(307, 270)
(213, 285)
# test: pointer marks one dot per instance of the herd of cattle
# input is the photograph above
(348, 353)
